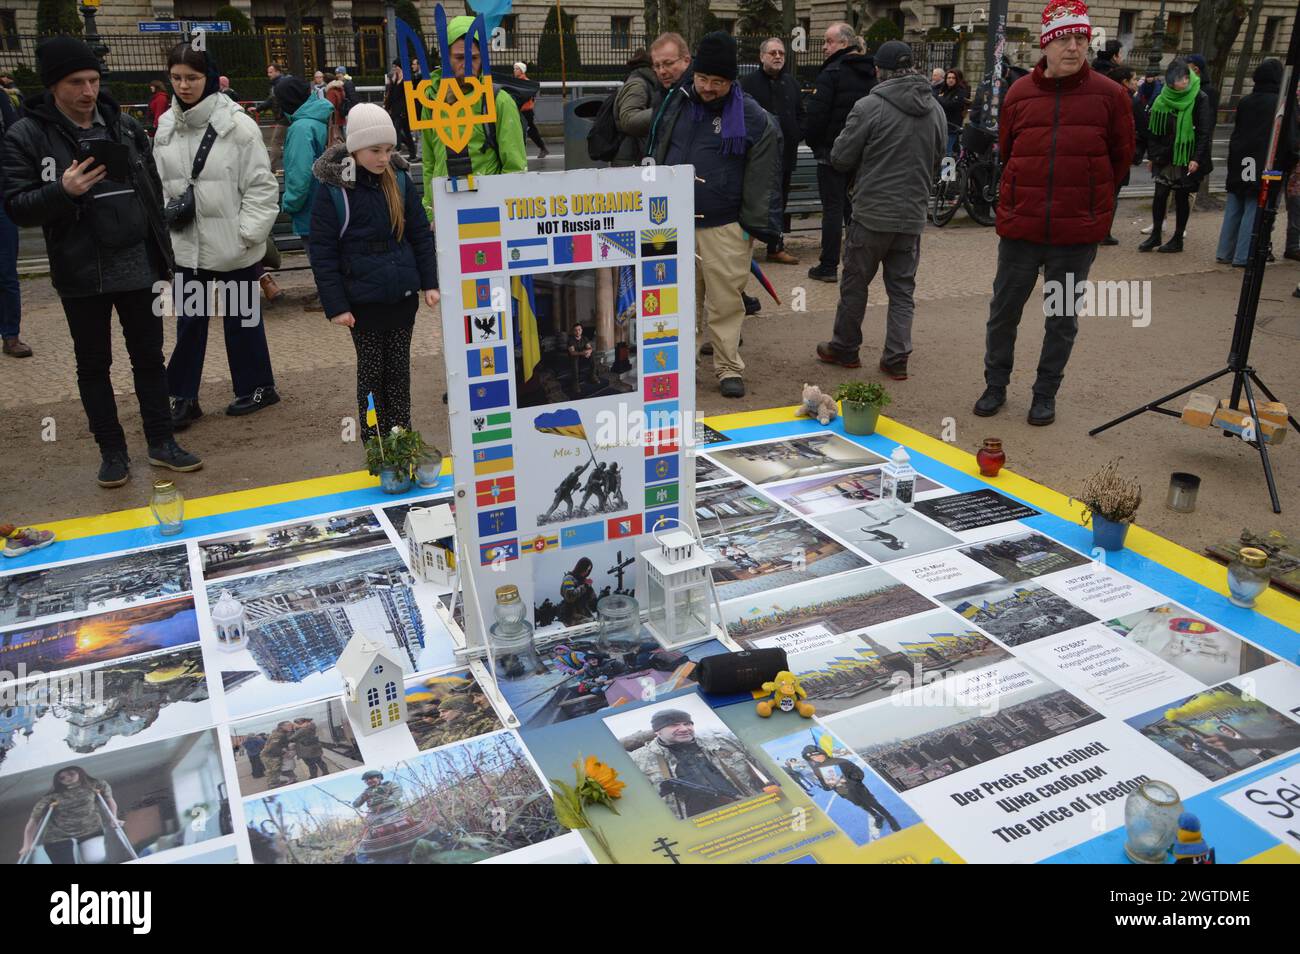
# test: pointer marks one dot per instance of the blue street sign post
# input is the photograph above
(209, 26)
(159, 26)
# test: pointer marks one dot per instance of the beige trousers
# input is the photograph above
(720, 276)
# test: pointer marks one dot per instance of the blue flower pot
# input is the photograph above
(391, 483)
(1108, 534)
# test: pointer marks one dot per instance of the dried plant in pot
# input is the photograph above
(1111, 503)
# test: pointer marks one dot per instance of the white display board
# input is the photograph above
(568, 448)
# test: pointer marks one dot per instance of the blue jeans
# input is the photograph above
(1238, 224)
(11, 301)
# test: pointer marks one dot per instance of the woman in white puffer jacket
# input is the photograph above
(220, 246)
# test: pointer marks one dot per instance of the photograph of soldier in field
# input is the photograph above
(691, 759)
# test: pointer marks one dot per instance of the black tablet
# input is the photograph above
(108, 153)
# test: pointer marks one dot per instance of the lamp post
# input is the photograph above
(1157, 41)
(88, 10)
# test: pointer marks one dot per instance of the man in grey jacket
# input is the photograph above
(891, 147)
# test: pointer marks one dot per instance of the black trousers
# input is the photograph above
(833, 190)
(530, 128)
(245, 334)
(1018, 265)
(384, 370)
(402, 124)
(788, 161)
(90, 321)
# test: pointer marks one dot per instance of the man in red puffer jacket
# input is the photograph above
(1066, 138)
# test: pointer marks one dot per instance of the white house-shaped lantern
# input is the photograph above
(372, 686)
(678, 591)
(430, 538)
(228, 622)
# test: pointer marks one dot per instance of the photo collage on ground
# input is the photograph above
(154, 699)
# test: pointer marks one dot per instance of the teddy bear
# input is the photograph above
(818, 405)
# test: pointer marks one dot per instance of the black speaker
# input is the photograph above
(740, 672)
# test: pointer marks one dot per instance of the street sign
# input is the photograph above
(159, 26)
(210, 26)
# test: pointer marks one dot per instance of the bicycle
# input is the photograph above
(971, 181)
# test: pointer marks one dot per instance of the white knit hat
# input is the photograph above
(369, 125)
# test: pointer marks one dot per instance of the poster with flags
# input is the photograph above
(570, 380)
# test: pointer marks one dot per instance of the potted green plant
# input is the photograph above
(860, 404)
(1110, 503)
(395, 457)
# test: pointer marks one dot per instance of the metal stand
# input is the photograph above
(1248, 302)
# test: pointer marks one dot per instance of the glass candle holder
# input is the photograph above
(991, 457)
(1151, 822)
(511, 638)
(1182, 492)
(620, 619)
(1247, 576)
(168, 507)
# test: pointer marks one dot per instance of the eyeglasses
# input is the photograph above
(667, 64)
(185, 80)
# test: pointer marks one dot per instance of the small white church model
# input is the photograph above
(430, 537)
(372, 686)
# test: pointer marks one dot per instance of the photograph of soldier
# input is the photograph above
(779, 554)
(1220, 731)
(441, 710)
(691, 759)
(568, 334)
(440, 807)
(116, 806)
(794, 457)
(1024, 556)
(885, 536)
(304, 743)
(569, 582)
(842, 777)
(565, 491)
(583, 492)
(76, 811)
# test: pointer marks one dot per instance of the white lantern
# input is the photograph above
(898, 481)
(678, 591)
(228, 622)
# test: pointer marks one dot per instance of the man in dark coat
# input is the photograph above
(846, 76)
(1065, 138)
(711, 123)
(846, 779)
(107, 244)
(777, 91)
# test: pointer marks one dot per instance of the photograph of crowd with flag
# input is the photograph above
(564, 315)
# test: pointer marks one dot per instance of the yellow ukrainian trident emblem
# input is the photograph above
(454, 110)
(451, 107)
(659, 209)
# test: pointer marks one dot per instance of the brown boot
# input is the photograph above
(17, 348)
(270, 289)
(783, 257)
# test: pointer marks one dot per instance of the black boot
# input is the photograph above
(990, 401)
(171, 455)
(1152, 242)
(1175, 244)
(184, 412)
(114, 469)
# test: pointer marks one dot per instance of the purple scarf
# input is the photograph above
(733, 120)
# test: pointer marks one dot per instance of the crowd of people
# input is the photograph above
(201, 199)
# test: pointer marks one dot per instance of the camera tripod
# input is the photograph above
(1243, 329)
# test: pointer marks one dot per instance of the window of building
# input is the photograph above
(390, 692)
(372, 697)
(947, 16)
(510, 25)
(9, 30)
(394, 713)
(1127, 27)
(620, 33)
(1271, 28)
(376, 718)
(1174, 31)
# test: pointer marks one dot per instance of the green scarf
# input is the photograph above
(1179, 105)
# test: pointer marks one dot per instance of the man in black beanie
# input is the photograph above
(106, 240)
(735, 145)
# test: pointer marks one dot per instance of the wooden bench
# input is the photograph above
(805, 200)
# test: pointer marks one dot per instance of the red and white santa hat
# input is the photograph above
(1063, 17)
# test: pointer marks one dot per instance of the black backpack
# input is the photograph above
(604, 137)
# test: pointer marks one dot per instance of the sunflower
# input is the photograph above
(604, 776)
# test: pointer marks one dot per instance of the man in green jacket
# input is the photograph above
(508, 155)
